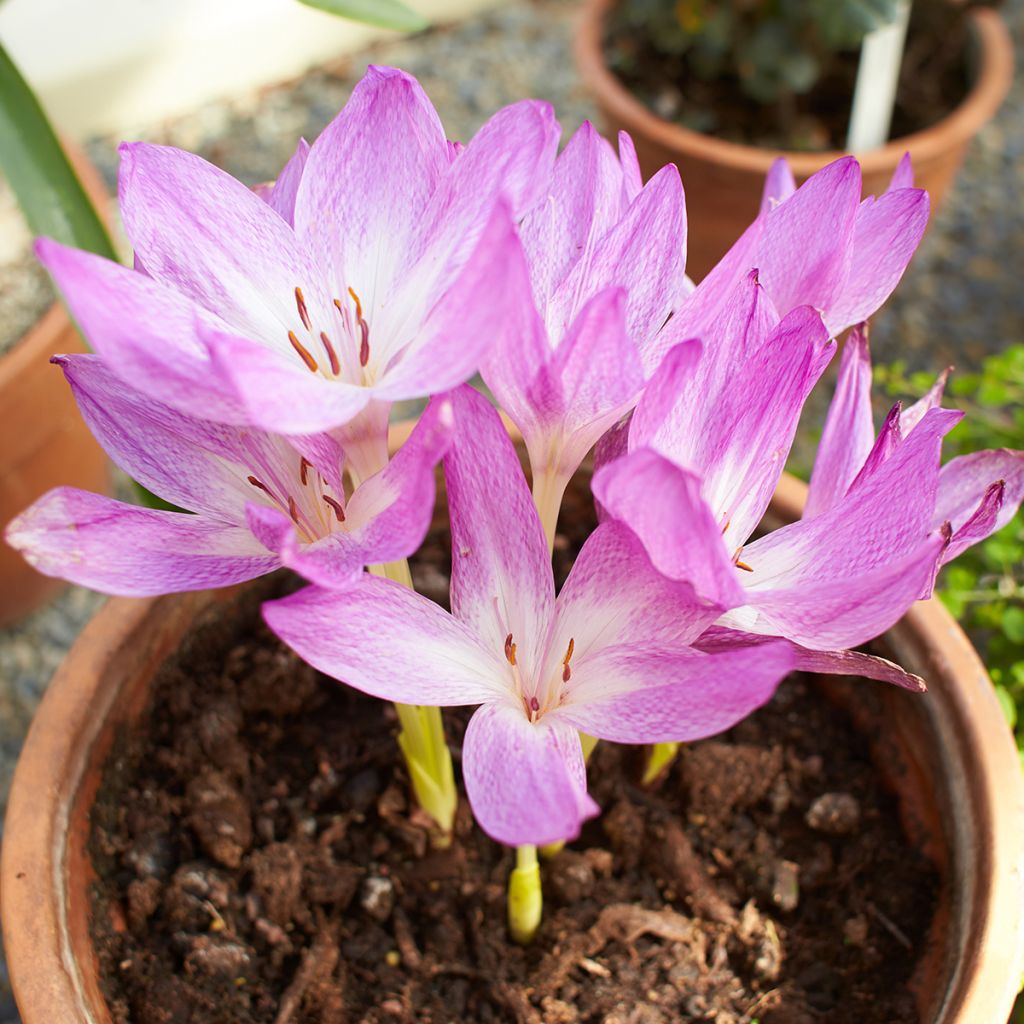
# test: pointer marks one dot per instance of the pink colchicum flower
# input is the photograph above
(611, 656)
(260, 500)
(600, 273)
(818, 245)
(882, 516)
(374, 271)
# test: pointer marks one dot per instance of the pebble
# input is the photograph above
(836, 814)
(378, 897)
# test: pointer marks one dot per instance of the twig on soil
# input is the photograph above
(319, 961)
(890, 926)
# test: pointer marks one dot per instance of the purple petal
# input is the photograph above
(931, 399)
(368, 177)
(887, 232)
(903, 176)
(849, 430)
(134, 552)
(390, 642)
(202, 232)
(804, 254)
(970, 500)
(584, 200)
(841, 663)
(632, 179)
(645, 253)
(502, 580)
(146, 331)
(845, 576)
(526, 781)
(279, 393)
(779, 185)
(282, 194)
(662, 504)
(389, 514)
(888, 440)
(445, 347)
(656, 696)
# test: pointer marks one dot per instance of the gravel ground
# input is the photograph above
(960, 300)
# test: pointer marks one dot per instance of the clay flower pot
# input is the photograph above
(46, 443)
(962, 796)
(729, 176)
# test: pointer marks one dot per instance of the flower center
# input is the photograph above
(329, 363)
(317, 513)
(547, 696)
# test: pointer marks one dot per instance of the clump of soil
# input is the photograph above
(259, 863)
(934, 79)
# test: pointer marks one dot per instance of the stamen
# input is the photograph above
(566, 671)
(534, 704)
(510, 650)
(744, 567)
(303, 352)
(260, 484)
(339, 512)
(303, 312)
(304, 467)
(359, 305)
(331, 354)
(364, 344)
(293, 510)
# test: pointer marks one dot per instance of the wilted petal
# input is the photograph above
(526, 781)
(849, 430)
(390, 642)
(655, 696)
(886, 233)
(502, 580)
(134, 552)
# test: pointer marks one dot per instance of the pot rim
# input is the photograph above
(34, 861)
(987, 92)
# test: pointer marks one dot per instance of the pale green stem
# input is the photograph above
(659, 760)
(422, 742)
(525, 898)
(553, 849)
(548, 489)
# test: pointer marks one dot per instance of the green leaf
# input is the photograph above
(382, 13)
(1013, 624)
(47, 189)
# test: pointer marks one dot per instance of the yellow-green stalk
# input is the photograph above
(525, 899)
(422, 742)
(659, 760)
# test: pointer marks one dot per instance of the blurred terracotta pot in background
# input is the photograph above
(45, 441)
(728, 177)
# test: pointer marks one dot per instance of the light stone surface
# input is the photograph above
(961, 299)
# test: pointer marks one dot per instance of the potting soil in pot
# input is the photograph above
(259, 861)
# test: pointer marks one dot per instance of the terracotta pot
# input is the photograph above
(952, 747)
(45, 441)
(728, 177)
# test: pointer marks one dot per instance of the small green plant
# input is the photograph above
(984, 588)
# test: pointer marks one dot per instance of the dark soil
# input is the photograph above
(934, 79)
(258, 861)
